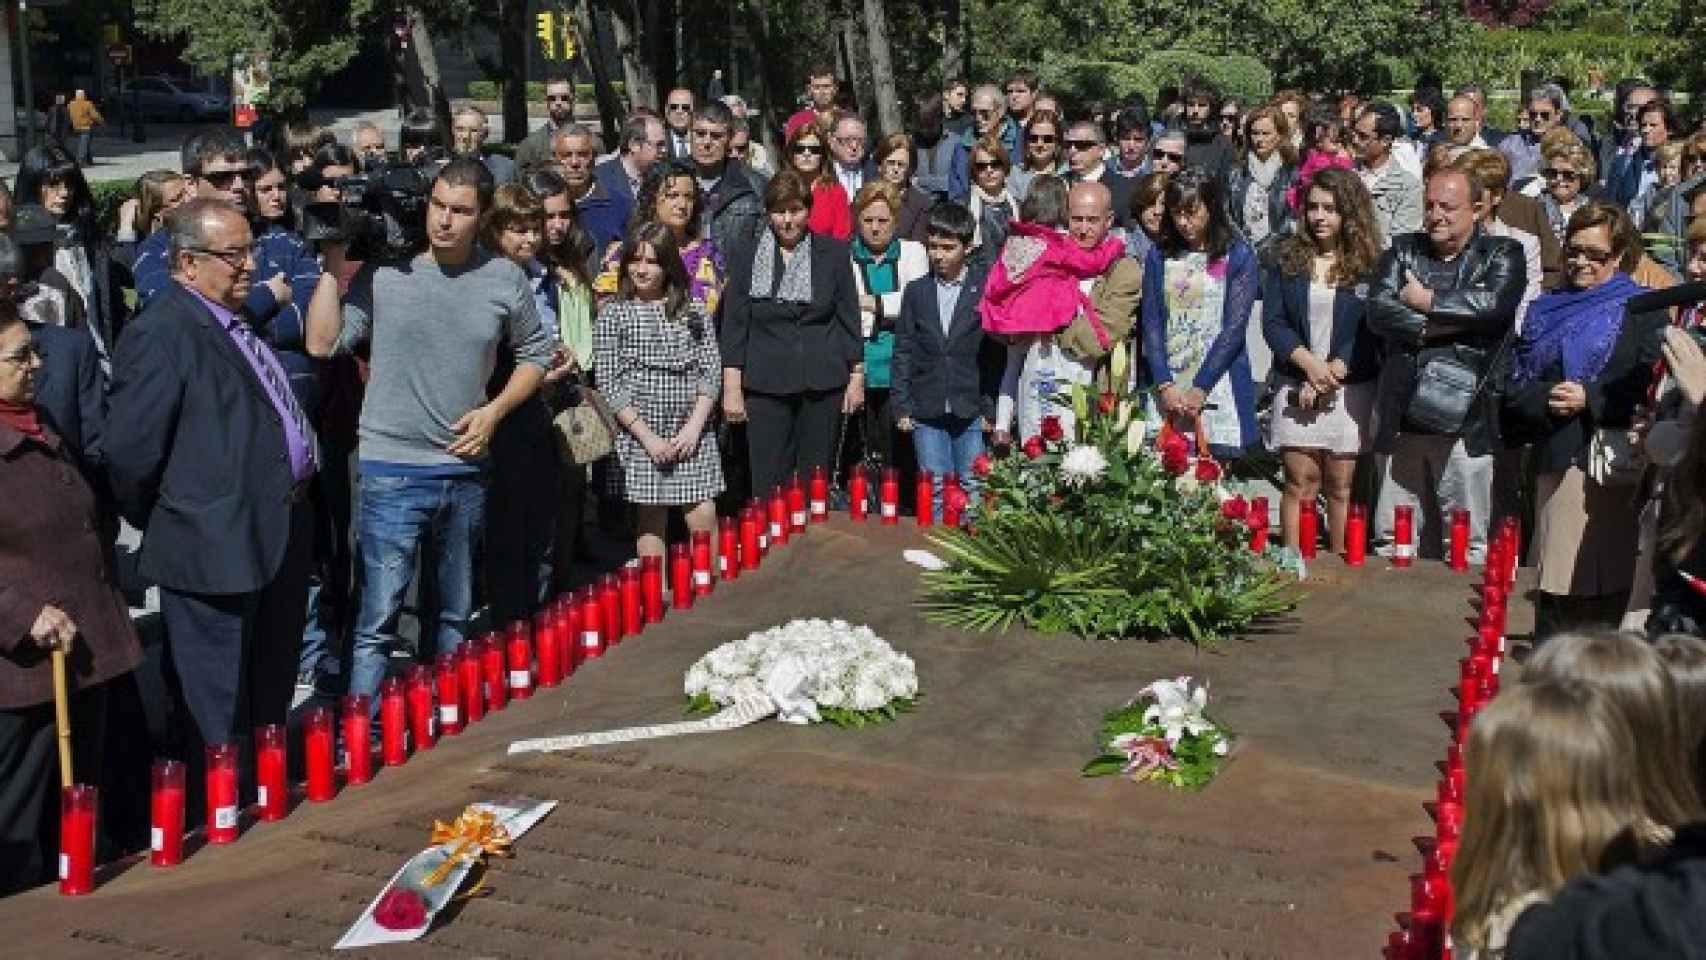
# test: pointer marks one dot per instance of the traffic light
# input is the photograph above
(547, 32)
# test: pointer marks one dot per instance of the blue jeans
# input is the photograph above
(946, 445)
(396, 516)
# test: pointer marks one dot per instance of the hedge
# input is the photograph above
(109, 196)
(1081, 81)
(488, 90)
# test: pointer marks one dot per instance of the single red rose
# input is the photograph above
(400, 909)
(981, 465)
(1207, 471)
(1236, 508)
(1175, 461)
(955, 498)
(1033, 446)
(1171, 441)
(1052, 430)
(1106, 403)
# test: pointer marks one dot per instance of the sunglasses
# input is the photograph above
(223, 179)
(1553, 173)
(982, 165)
(1169, 155)
(809, 149)
(1081, 144)
(1601, 257)
(1540, 114)
(559, 98)
(1040, 138)
(679, 107)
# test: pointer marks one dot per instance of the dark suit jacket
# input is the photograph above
(196, 452)
(934, 374)
(1285, 325)
(611, 175)
(71, 391)
(785, 348)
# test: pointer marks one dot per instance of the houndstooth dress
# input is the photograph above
(660, 367)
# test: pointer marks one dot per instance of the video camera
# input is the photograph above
(381, 212)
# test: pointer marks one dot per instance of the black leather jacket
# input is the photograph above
(1473, 319)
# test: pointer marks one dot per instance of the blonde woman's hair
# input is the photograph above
(151, 197)
(1561, 143)
(1550, 785)
(1627, 669)
(877, 191)
(1685, 656)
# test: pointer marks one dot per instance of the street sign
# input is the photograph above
(118, 54)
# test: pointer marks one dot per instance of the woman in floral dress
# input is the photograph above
(1199, 285)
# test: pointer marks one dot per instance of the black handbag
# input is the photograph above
(1448, 381)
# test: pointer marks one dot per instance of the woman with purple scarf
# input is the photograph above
(1581, 365)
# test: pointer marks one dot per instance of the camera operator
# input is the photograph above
(434, 323)
(218, 167)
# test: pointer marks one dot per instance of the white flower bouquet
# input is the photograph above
(1163, 734)
(815, 670)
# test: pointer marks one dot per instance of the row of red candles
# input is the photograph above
(1422, 932)
(477, 676)
(1356, 533)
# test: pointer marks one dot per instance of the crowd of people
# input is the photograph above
(303, 390)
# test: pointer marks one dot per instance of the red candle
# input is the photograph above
(633, 616)
(1308, 530)
(492, 677)
(569, 630)
(1446, 790)
(1512, 552)
(358, 738)
(728, 549)
(1403, 535)
(221, 792)
(681, 572)
(545, 646)
(519, 647)
(749, 537)
(778, 517)
(610, 609)
(1356, 535)
(819, 494)
(448, 675)
(858, 493)
(468, 679)
(77, 804)
(923, 492)
(393, 723)
(951, 494)
(417, 689)
(317, 750)
(889, 497)
(651, 577)
(1459, 539)
(796, 494)
(701, 563)
(272, 790)
(1448, 818)
(592, 633)
(166, 813)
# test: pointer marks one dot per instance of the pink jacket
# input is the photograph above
(1033, 286)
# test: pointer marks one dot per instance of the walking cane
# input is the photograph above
(62, 716)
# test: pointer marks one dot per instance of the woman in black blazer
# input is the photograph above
(1314, 304)
(793, 362)
(1583, 364)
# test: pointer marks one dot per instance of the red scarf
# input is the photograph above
(22, 418)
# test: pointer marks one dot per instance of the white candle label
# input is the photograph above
(889, 510)
(1404, 551)
(447, 712)
(723, 566)
(156, 839)
(261, 795)
(701, 578)
(343, 758)
(589, 639)
(799, 518)
(225, 818)
(432, 726)
(775, 530)
(819, 508)
(64, 867)
(764, 541)
(520, 679)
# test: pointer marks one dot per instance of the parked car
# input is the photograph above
(172, 98)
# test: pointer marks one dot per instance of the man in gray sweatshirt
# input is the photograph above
(433, 324)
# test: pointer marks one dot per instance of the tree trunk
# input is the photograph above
(882, 68)
(637, 73)
(432, 82)
(767, 119)
(955, 49)
(853, 52)
(512, 62)
(592, 47)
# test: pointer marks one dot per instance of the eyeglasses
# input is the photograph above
(709, 133)
(23, 355)
(1040, 138)
(223, 179)
(679, 107)
(983, 165)
(235, 259)
(807, 149)
(1168, 155)
(1602, 257)
(984, 113)
(1540, 114)
(1081, 144)
(1553, 173)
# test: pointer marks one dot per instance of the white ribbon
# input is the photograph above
(739, 714)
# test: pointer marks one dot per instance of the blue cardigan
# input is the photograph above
(1227, 356)
(1285, 325)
